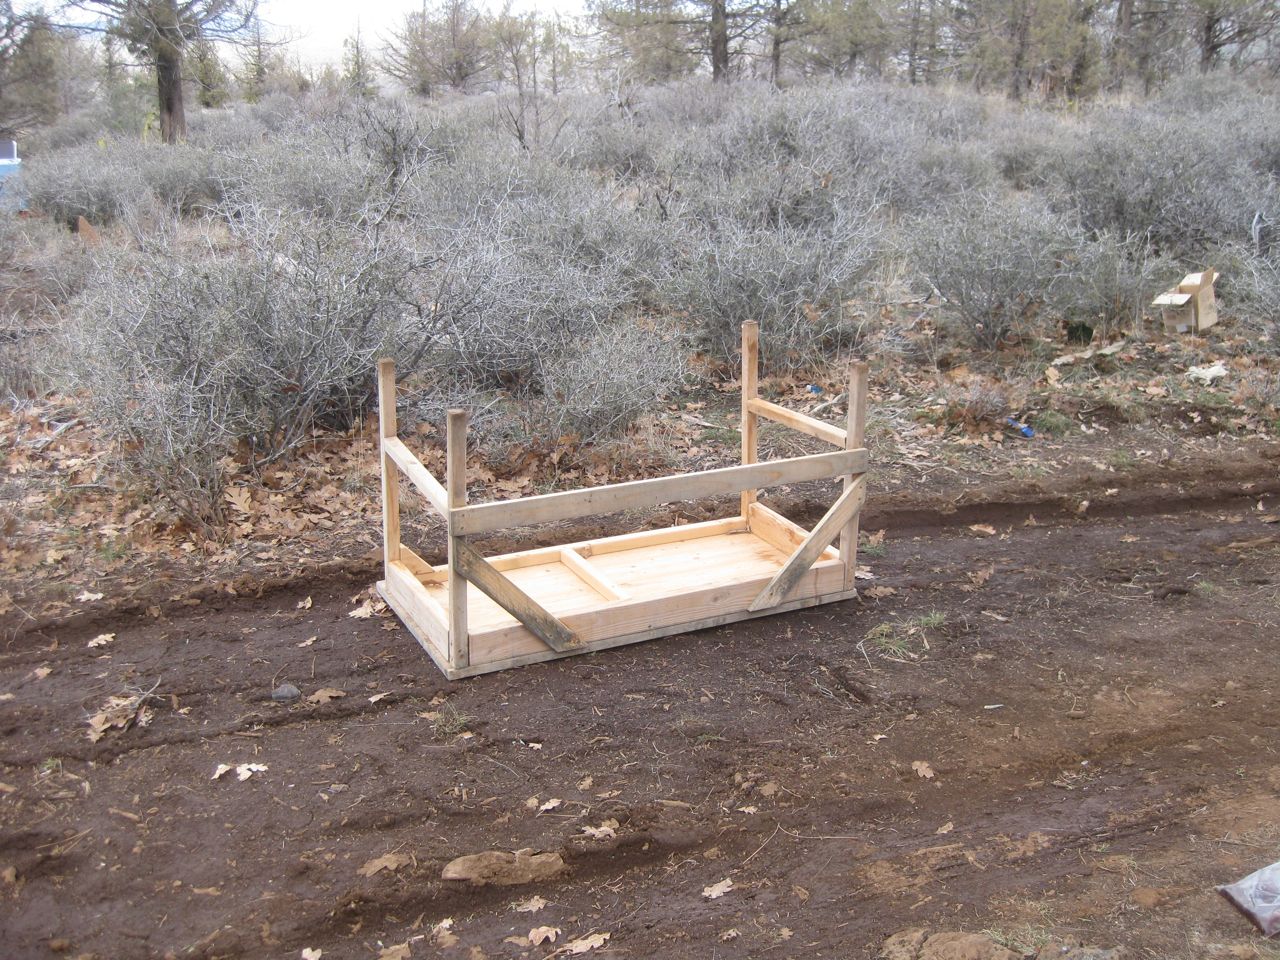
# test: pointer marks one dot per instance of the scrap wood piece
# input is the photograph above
(469, 562)
(826, 530)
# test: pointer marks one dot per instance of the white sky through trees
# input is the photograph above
(320, 26)
(317, 28)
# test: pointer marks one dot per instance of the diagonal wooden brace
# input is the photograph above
(827, 529)
(468, 561)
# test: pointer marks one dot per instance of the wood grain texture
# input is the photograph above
(487, 517)
(418, 475)
(390, 478)
(455, 459)
(469, 563)
(801, 422)
(833, 521)
(749, 423)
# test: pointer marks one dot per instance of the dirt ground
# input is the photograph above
(1039, 722)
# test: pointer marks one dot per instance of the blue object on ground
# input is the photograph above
(814, 389)
(1022, 428)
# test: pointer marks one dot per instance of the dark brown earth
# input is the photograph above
(1065, 727)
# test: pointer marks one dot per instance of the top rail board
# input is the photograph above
(572, 504)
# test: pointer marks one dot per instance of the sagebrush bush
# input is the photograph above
(256, 333)
(992, 260)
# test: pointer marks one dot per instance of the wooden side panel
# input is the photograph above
(773, 527)
(654, 616)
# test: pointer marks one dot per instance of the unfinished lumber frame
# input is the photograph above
(557, 601)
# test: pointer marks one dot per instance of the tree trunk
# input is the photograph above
(173, 115)
(1208, 40)
(719, 41)
(1122, 45)
(775, 44)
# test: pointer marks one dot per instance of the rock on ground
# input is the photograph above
(917, 944)
(504, 869)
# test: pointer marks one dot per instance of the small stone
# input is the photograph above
(904, 945)
(285, 692)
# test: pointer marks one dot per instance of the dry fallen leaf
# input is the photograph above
(243, 770)
(945, 828)
(540, 935)
(388, 861)
(398, 951)
(532, 905)
(41, 672)
(717, 890)
(310, 953)
(324, 695)
(586, 783)
(239, 498)
(84, 596)
(605, 831)
(304, 604)
(442, 933)
(586, 943)
(307, 642)
(362, 612)
(983, 528)
(922, 769)
(552, 804)
(102, 639)
(879, 593)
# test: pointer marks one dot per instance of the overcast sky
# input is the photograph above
(320, 26)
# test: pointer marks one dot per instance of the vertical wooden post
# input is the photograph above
(855, 437)
(749, 423)
(456, 485)
(390, 473)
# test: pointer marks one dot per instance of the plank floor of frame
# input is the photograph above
(665, 588)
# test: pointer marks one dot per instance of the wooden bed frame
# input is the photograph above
(558, 601)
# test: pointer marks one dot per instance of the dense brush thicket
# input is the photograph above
(557, 279)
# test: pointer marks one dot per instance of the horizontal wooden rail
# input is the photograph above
(569, 504)
(797, 421)
(421, 477)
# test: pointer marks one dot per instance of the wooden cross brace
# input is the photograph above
(828, 528)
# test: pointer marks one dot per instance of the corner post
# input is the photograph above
(855, 437)
(456, 486)
(390, 473)
(749, 423)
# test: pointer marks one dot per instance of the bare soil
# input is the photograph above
(1052, 722)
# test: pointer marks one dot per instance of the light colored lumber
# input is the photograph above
(625, 541)
(456, 490)
(486, 517)
(390, 479)
(590, 575)
(469, 563)
(420, 568)
(607, 643)
(419, 475)
(826, 530)
(773, 527)
(749, 424)
(663, 615)
(425, 608)
(408, 616)
(649, 538)
(855, 438)
(811, 426)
